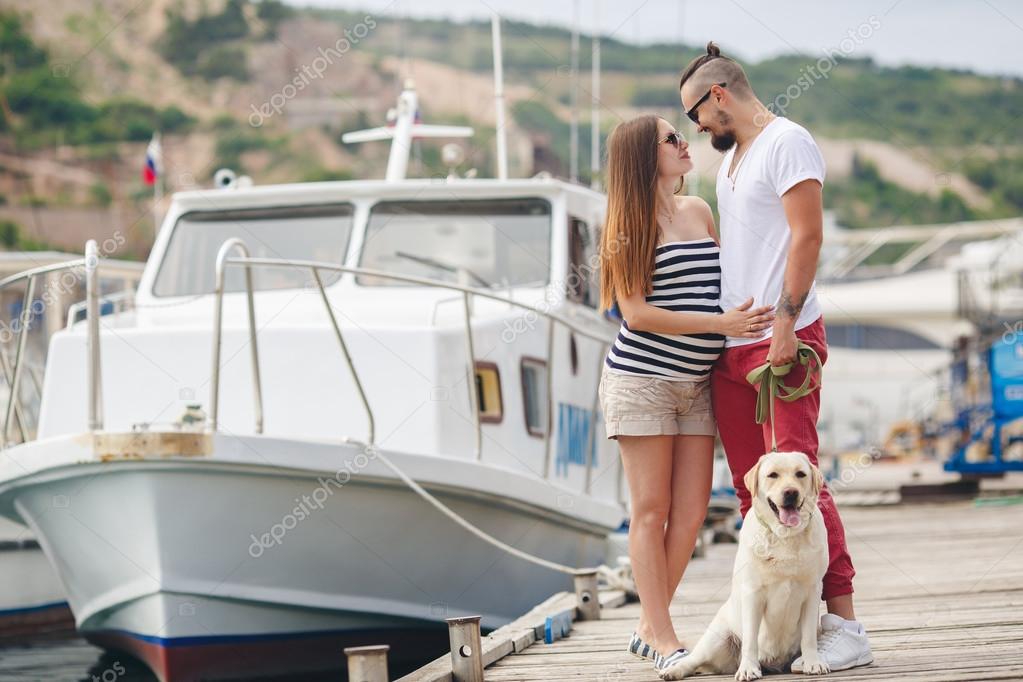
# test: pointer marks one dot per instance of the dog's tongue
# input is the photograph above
(789, 517)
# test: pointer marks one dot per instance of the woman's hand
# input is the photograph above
(746, 321)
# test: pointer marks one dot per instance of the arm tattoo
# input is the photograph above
(790, 308)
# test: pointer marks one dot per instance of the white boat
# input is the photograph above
(32, 601)
(895, 301)
(31, 598)
(226, 507)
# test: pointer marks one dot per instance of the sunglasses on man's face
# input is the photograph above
(695, 117)
(674, 138)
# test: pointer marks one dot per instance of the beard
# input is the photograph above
(724, 140)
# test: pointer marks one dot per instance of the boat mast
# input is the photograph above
(573, 142)
(595, 101)
(500, 133)
(402, 132)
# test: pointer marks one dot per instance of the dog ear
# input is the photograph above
(818, 479)
(751, 479)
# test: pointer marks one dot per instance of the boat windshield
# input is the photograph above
(318, 233)
(480, 243)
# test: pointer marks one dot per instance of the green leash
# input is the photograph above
(770, 383)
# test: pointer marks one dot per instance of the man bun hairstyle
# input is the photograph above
(713, 67)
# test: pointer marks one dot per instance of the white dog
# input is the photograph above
(772, 612)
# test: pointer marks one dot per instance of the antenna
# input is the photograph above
(500, 133)
(595, 101)
(402, 133)
(573, 142)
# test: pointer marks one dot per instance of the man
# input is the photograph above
(771, 217)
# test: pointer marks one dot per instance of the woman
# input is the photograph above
(659, 263)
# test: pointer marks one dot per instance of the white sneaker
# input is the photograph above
(839, 646)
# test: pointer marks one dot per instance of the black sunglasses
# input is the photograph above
(674, 138)
(693, 116)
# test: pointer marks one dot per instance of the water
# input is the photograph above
(70, 658)
(65, 659)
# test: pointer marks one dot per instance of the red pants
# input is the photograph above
(734, 401)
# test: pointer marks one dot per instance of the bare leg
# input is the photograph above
(691, 474)
(647, 461)
(841, 606)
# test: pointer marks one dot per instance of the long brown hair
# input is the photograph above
(630, 230)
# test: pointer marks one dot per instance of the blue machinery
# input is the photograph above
(987, 394)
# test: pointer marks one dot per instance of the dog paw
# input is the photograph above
(815, 668)
(748, 672)
(675, 672)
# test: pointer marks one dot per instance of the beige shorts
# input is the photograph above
(655, 406)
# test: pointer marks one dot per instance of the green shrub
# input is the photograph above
(224, 61)
(100, 194)
(199, 47)
(10, 233)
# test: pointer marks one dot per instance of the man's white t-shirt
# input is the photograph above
(755, 233)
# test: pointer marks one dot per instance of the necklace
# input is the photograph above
(667, 215)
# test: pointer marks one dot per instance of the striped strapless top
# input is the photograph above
(687, 278)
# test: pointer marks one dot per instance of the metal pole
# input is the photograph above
(26, 317)
(256, 379)
(500, 133)
(573, 142)
(595, 102)
(549, 390)
(348, 357)
(466, 645)
(18, 412)
(218, 323)
(592, 435)
(474, 404)
(92, 337)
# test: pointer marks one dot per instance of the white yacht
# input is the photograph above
(212, 473)
(32, 601)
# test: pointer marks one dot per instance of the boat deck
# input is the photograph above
(939, 587)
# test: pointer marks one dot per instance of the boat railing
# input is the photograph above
(315, 268)
(13, 371)
(119, 302)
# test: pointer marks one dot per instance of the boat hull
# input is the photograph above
(31, 597)
(186, 563)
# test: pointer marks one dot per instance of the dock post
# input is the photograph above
(367, 663)
(466, 649)
(586, 595)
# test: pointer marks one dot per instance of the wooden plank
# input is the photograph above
(939, 588)
(518, 635)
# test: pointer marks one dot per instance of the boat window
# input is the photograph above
(479, 243)
(317, 233)
(488, 392)
(583, 282)
(534, 395)
(876, 337)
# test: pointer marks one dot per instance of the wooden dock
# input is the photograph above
(938, 586)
